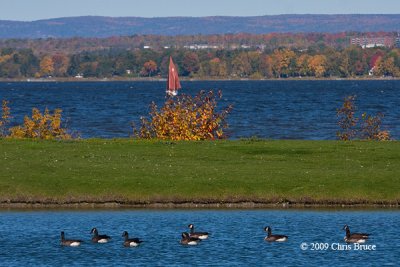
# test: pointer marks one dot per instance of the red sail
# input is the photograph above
(173, 83)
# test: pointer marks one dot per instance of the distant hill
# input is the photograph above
(92, 26)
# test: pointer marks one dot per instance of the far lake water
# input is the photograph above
(266, 109)
(32, 238)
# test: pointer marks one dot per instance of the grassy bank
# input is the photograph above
(140, 172)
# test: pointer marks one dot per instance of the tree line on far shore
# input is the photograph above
(254, 63)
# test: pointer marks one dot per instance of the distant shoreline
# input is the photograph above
(195, 79)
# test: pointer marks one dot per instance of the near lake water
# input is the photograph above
(236, 238)
(265, 109)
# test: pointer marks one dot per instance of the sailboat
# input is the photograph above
(173, 84)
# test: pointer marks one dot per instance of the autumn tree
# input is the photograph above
(8, 67)
(60, 64)
(386, 67)
(303, 67)
(27, 62)
(255, 61)
(282, 60)
(5, 58)
(317, 65)
(357, 62)
(344, 65)
(333, 61)
(215, 67)
(149, 68)
(190, 64)
(46, 66)
(241, 66)
(347, 119)
(266, 66)
(163, 68)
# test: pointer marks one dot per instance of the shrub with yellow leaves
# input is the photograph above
(5, 117)
(41, 126)
(371, 128)
(186, 118)
(347, 119)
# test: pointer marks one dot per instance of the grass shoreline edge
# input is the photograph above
(194, 205)
(125, 173)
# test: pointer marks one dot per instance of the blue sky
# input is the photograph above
(27, 10)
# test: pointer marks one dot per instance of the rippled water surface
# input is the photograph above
(236, 238)
(267, 109)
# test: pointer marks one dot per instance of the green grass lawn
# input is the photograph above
(137, 171)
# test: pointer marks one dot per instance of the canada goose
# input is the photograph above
(69, 242)
(130, 242)
(189, 240)
(274, 238)
(354, 237)
(99, 238)
(199, 235)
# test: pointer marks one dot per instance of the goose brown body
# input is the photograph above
(96, 238)
(354, 237)
(131, 242)
(69, 242)
(189, 240)
(199, 235)
(274, 238)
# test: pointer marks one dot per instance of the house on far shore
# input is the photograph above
(397, 42)
(370, 42)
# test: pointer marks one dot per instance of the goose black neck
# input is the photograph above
(347, 232)
(269, 231)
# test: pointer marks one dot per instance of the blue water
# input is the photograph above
(266, 109)
(236, 238)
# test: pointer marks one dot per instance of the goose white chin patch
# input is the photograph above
(102, 241)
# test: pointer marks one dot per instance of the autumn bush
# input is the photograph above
(41, 126)
(370, 128)
(186, 118)
(5, 118)
(347, 119)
